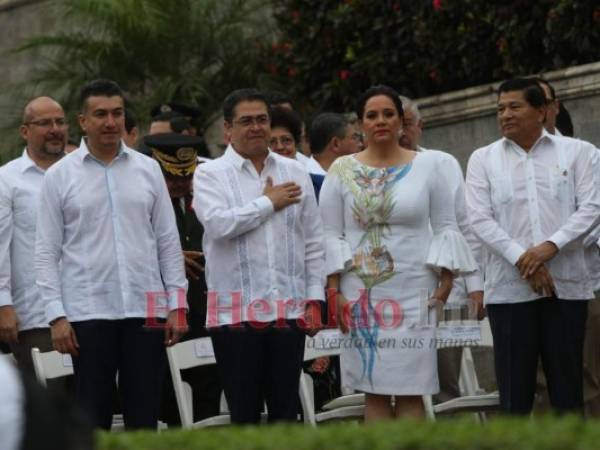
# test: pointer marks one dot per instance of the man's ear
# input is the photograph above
(81, 119)
(334, 145)
(24, 132)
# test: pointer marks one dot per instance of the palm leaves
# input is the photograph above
(157, 50)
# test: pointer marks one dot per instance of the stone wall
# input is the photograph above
(462, 121)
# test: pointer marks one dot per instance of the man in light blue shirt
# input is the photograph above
(105, 215)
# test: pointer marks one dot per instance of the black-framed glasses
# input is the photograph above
(60, 122)
(247, 121)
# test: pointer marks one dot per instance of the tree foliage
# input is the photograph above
(157, 50)
(330, 50)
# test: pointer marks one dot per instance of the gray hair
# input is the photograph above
(407, 103)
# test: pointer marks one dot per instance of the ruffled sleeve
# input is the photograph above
(449, 250)
(338, 255)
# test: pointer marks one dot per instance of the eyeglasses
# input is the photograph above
(60, 122)
(286, 141)
(248, 121)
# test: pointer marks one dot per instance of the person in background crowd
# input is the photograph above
(467, 289)
(130, 131)
(531, 198)
(106, 216)
(23, 322)
(286, 129)
(591, 347)
(191, 115)
(276, 99)
(392, 247)
(330, 137)
(262, 224)
(177, 155)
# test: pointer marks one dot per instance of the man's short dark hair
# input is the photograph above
(373, 91)
(130, 122)
(540, 80)
(242, 95)
(99, 88)
(532, 91)
(276, 98)
(284, 118)
(325, 127)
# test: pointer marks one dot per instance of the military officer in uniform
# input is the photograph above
(177, 155)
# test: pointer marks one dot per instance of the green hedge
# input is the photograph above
(522, 434)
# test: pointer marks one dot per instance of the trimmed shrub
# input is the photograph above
(499, 434)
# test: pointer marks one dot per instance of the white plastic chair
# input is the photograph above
(474, 399)
(352, 406)
(184, 355)
(51, 365)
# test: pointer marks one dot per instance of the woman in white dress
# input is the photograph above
(393, 247)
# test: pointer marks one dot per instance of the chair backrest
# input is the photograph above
(49, 365)
(324, 343)
(193, 353)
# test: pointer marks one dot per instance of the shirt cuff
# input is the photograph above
(177, 299)
(315, 293)
(5, 298)
(513, 253)
(474, 282)
(54, 310)
(265, 206)
(560, 239)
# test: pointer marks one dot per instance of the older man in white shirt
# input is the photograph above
(263, 243)
(532, 199)
(109, 264)
(23, 323)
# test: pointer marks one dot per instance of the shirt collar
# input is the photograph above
(545, 136)
(238, 160)
(83, 151)
(27, 163)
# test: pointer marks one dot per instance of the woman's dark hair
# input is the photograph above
(284, 118)
(379, 89)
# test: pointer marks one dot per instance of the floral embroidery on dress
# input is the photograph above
(372, 189)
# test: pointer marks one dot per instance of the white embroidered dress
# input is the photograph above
(378, 237)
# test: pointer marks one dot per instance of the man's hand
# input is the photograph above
(542, 283)
(282, 195)
(176, 326)
(312, 318)
(533, 258)
(63, 337)
(476, 310)
(8, 324)
(193, 265)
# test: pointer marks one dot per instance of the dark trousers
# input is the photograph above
(550, 329)
(137, 353)
(258, 366)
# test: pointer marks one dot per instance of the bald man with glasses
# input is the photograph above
(22, 321)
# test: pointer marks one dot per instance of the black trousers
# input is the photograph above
(550, 329)
(258, 366)
(137, 353)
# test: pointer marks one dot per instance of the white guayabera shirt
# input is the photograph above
(518, 199)
(20, 182)
(262, 256)
(113, 226)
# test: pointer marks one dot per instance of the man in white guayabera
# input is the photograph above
(263, 243)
